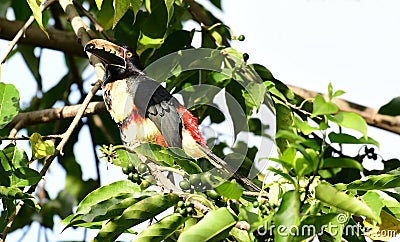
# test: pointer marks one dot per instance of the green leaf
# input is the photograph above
(338, 199)
(107, 209)
(25, 176)
(16, 156)
(188, 166)
(254, 95)
(322, 107)
(155, 153)
(13, 193)
(338, 93)
(40, 148)
(392, 108)
(248, 214)
(373, 200)
(9, 103)
(332, 94)
(389, 201)
(282, 174)
(154, 26)
(284, 122)
(289, 135)
(304, 126)
(106, 192)
(240, 235)
(136, 5)
(37, 13)
(230, 190)
(123, 158)
(211, 226)
(341, 162)
(161, 230)
(287, 216)
(349, 139)
(330, 90)
(98, 4)
(306, 162)
(350, 120)
(135, 214)
(120, 8)
(377, 182)
(104, 15)
(313, 224)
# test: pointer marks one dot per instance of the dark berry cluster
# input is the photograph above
(139, 175)
(185, 208)
(198, 182)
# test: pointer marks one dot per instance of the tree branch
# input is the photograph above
(59, 40)
(53, 114)
(371, 116)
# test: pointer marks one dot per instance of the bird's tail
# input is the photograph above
(222, 165)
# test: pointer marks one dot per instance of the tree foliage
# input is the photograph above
(316, 190)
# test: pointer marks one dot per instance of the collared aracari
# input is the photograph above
(145, 111)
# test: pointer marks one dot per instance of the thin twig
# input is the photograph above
(22, 31)
(46, 137)
(96, 24)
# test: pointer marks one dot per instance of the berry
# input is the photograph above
(131, 167)
(184, 185)
(181, 211)
(145, 184)
(150, 178)
(256, 204)
(194, 179)
(241, 37)
(188, 204)
(125, 170)
(189, 210)
(212, 194)
(136, 177)
(142, 168)
(180, 204)
(246, 56)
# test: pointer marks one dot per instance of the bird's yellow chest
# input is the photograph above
(118, 101)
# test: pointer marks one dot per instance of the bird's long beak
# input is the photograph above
(108, 52)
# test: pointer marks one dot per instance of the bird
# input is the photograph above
(145, 112)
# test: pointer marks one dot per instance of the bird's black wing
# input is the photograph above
(154, 102)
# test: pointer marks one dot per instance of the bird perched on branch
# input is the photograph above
(145, 111)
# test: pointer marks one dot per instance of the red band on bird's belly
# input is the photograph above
(150, 131)
(134, 119)
(159, 139)
(191, 125)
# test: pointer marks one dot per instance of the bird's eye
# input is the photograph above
(129, 54)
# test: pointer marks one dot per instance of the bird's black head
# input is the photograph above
(122, 61)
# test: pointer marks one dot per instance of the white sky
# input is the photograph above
(308, 43)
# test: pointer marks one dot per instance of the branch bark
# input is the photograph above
(59, 40)
(53, 114)
(371, 116)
